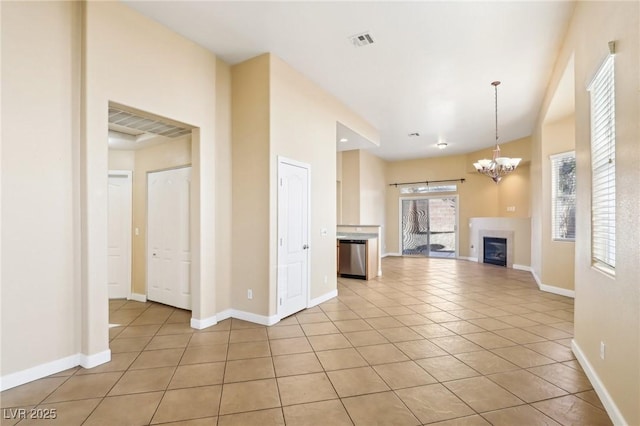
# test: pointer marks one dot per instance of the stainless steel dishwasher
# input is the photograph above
(353, 260)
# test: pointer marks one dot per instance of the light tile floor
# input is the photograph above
(433, 341)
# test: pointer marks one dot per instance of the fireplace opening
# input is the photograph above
(495, 251)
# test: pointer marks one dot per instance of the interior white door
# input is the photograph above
(119, 235)
(168, 237)
(293, 237)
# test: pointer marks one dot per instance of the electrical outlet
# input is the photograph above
(602, 350)
(249, 294)
(325, 279)
(511, 208)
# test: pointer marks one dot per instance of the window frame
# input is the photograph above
(603, 171)
(556, 160)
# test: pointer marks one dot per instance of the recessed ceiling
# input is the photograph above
(429, 69)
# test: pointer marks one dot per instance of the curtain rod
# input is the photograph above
(428, 182)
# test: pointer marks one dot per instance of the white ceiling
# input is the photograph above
(428, 71)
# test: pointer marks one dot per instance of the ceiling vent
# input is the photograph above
(360, 40)
(135, 125)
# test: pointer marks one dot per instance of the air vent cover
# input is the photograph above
(126, 122)
(360, 40)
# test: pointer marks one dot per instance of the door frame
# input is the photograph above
(284, 160)
(423, 197)
(146, 234)
(129, 226)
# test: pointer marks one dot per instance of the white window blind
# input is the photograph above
(563, 191)
(603, 167)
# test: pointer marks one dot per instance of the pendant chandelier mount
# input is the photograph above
(498, 166)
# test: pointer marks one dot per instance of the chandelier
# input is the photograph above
(498, 166)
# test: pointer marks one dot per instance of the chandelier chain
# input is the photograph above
(495, 87)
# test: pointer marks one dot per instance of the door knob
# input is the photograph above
(304, 247)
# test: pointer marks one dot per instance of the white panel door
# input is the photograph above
(168, 237)
(119, 235)
(293, 237)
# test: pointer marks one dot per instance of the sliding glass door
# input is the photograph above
(429, 226)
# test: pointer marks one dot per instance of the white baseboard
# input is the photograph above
(255, 318)
(470, 259)
(612, 409)
(233, 313)
(321, 299)
(535, 277)
(43, 370)
(200, 324)
(138, 297)
(251, 317)
(227, 313)
(552, 289)
(558, 290)
(522, 267)
(391, 254)
(90, 361)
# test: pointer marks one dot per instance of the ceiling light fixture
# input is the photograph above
(344, 140)
(441, 145)
(498, 166)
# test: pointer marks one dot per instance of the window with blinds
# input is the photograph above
(603, 168)
(563, 192)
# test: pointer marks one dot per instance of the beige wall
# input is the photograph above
(174, 78)
(350, 187)
(479, 196)
(557, 256)
(62, 164)
(39, 175)
(373, 188)
(279, 112)
(339, 187)
(303, 128)
(122, 160)
(606, 308)
(223, 187)
(250, 180)
(363, 189)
